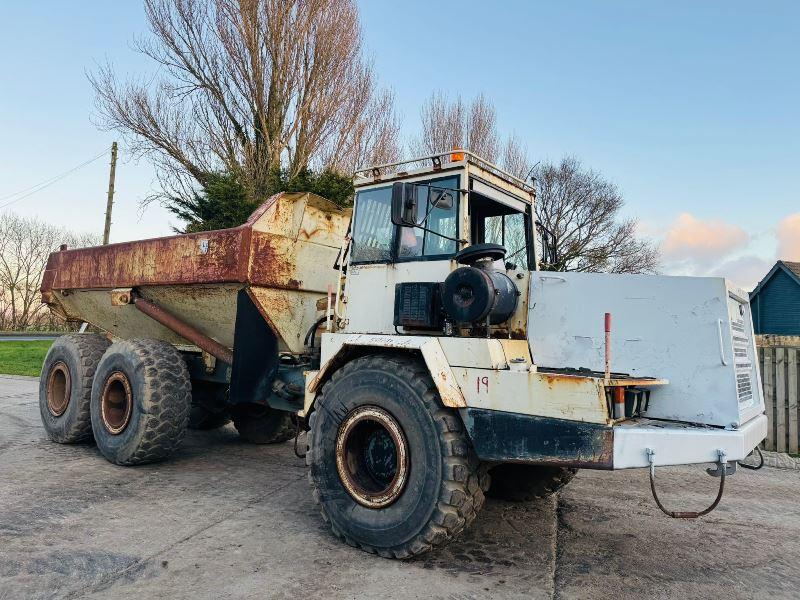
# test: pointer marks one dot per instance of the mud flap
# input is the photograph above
(255, 354)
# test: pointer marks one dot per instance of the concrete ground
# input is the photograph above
(224, 519)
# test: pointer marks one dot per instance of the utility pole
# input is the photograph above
(110, 201)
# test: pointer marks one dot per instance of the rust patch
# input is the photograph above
(47, 280)
(210, 257)
(259, 212)
(556, 379)
(324, 225)
(273, 261)
(310, 234)
(121, 297)
(263, 311)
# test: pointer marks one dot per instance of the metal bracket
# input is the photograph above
(723, 470)
(730, 469)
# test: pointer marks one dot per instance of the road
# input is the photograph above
(26, 338)
(223, 519)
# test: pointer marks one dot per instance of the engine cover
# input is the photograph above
(473, 295)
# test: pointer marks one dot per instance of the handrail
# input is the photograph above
(438, 155)
(721, 343)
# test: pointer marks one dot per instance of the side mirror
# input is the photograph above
(404, 204)
(441, 199)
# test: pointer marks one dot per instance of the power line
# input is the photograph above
(29, 191)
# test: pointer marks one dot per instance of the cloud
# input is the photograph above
(789, 238)
(703, 243)
(744, 271)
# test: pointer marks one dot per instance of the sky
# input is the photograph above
(690, 108)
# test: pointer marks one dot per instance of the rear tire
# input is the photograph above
(141, 398)
(523, 483)
(260, 424)
(202, 419)
(392, 469)
(209, 406)
(65, 386)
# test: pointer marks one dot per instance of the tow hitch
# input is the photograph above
(722, 470)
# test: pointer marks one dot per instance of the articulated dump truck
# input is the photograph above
(419, 341)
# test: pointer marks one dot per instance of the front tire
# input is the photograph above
(141, 399)
(524, 483)
(392, 469)
(65, 386)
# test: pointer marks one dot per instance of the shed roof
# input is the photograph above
(794, 267)
(790, 268)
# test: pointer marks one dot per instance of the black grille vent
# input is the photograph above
(417, 305)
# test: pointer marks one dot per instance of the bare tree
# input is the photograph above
(447, 125)
(515, 158)
(249, 86)
(25, 245)
(375, 139)
(453, 124)
(577, 205)
(581, 209)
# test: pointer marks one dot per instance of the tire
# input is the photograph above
(523, 483)
(209, 406)
(202, 419)
(141, 399)
(442, 481)
(65, 387)
(260, 424)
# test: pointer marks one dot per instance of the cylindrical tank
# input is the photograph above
(473, 295)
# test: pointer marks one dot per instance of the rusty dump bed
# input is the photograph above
(283, 256)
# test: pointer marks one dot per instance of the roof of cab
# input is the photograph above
(442, 162)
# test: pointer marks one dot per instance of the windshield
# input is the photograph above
(374, 234)
(373, 231)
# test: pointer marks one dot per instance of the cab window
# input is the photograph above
(442, 224)
(373, 232)
(495, 223)
(375, 238)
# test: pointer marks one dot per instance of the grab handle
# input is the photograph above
(721, 344)
(556, 277)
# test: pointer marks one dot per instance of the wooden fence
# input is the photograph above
(779, 359)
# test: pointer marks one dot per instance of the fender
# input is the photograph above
(336, 346)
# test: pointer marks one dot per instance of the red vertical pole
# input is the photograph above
(608, 345)
(619, 402)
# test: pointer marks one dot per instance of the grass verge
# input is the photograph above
(23, 358)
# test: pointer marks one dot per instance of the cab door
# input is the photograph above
(383, 255)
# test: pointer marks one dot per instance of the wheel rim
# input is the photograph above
(372, 457)
(116, 403)
(59, 387)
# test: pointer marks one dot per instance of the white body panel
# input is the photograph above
(533, 393)
(677, 444)
(370, 291)
(676, 328)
